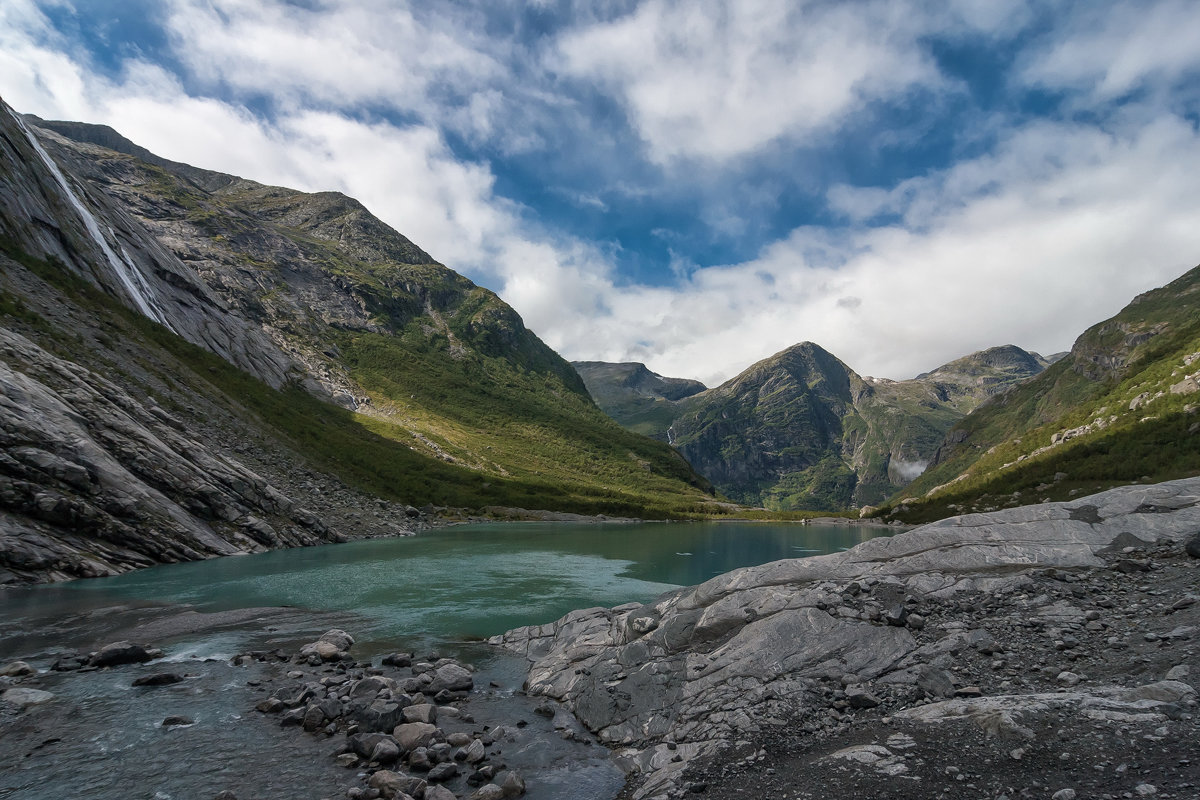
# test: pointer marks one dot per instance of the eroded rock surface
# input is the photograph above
(757, 652)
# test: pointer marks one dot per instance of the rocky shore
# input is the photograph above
(1044, 651)
(396, 727)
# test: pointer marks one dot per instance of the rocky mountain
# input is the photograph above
(641, 400)
(195, 364)
(1120, 406)
(801, 430)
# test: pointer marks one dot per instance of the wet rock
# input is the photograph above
(488, 792)
(451, 677)
(391, 784)
(17, 669)
(438, 793)
(475, 752)
(118, 653)
(443, 772)
(412, 735)
(270, 705)
(381, 715)
(334, 645)
(176, 721)
(159, 679)
(511, 783)
(421, 712)
(385, 752)
(363, 744)
(24, 698)
(397, 660)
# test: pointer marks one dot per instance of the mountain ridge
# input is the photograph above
(802, 430)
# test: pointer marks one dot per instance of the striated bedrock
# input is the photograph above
(703, 668)
(94, 481)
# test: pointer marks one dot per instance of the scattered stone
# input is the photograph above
(1068, 679)
(159, 679)
(412, 735)
(861, 698)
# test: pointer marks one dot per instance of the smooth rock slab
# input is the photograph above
(23, 698)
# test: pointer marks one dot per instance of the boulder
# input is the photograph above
(1193, 545)
(451, 677)
(421, 712)
(158, 679)
(488, 792)
(438, 793)
(511, 783)
(17, 669)
(443, 772)
(118, 653)
(394, 785)
(381, 715)
(23, 698)
(334, 645)
(412, 735)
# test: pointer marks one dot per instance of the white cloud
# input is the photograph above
(1112, 49)
(1058, 226)
(719, 79)
(1058, 230)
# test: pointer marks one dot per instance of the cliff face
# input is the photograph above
(801, 430)
(188, 354)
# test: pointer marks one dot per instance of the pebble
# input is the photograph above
(1145, 790)
(1063, 794)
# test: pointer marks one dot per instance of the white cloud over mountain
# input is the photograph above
(1050, 212)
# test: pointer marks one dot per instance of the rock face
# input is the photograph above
(94, 481)
(700, 670)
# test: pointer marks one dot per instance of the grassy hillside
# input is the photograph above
(446, 398)
(1120, 407)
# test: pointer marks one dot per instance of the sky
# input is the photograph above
(693, 185)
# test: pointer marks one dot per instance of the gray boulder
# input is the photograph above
(118, 653)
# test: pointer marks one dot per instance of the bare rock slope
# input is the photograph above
(972, 618)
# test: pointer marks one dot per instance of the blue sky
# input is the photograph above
(693, 185)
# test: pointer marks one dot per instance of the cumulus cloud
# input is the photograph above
(719, 79)
(1046, 227)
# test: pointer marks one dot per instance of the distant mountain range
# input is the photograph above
(801, 430)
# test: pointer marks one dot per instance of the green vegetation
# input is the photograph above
(1113, 395)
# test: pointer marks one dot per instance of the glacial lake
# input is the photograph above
(440, 591)
(454, 584)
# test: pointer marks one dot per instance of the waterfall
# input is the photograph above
(130, 277)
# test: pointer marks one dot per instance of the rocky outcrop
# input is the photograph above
(705, 670)
(94, 481)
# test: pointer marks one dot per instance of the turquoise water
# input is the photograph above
(439, 590)
(465, 582)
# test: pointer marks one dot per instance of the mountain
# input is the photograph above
(641, 400)
(1121, 406)
(194, 364)
(801, 430)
